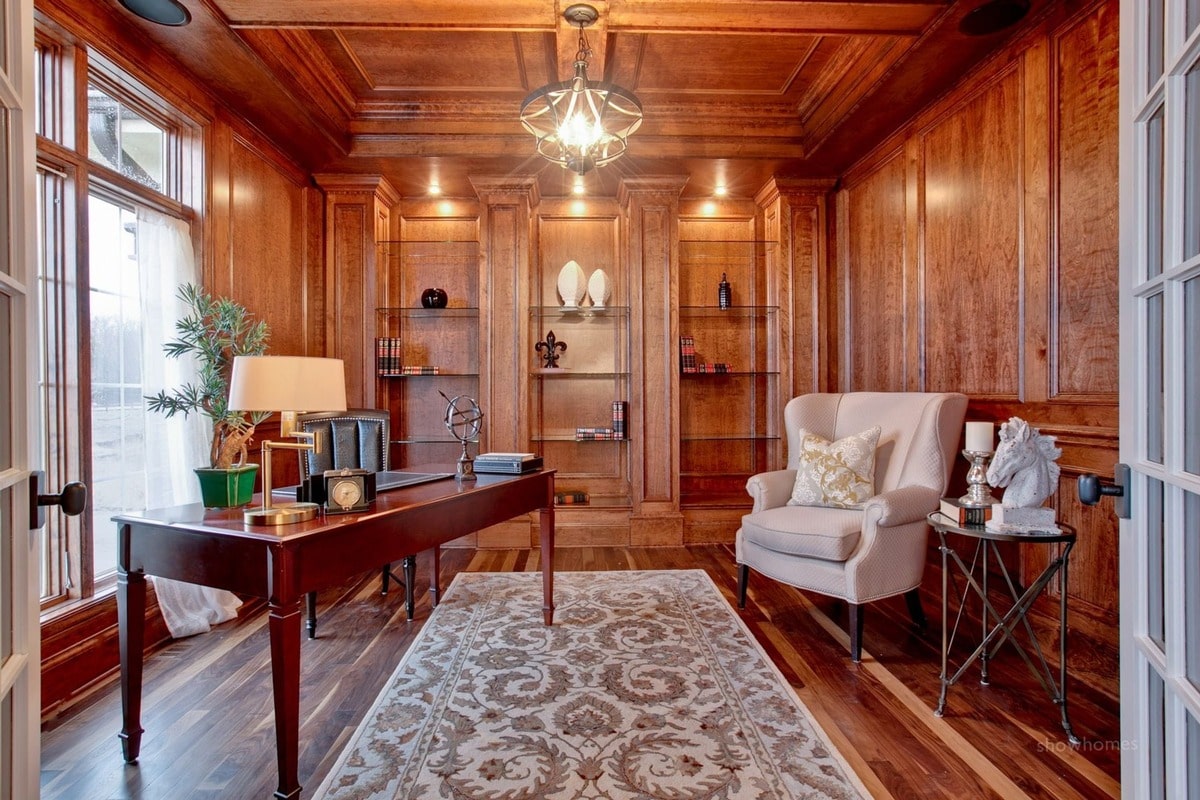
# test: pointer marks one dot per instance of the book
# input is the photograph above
(507, 457)
(953, 508)
(570, 498)
(687, 354)
(508, 467)
(619, 411)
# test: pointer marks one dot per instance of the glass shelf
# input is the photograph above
(582, 312)
(567, 372)
(737, 373)
(431, 440)
(569, 436)
(603, 501)
(421, 311)
(715, 499)
(746, 437)
(390, 375)
(732, 311)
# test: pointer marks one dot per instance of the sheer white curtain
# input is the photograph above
(176, 445)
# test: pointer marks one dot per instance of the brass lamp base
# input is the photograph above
(281, 515)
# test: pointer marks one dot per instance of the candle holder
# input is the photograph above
(977, 495)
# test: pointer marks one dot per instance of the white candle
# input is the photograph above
(979, 436)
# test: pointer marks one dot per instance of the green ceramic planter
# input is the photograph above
(227, 488)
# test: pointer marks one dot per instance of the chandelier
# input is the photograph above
(581, 124)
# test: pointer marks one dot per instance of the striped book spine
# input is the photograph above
(619, 410)
(387, 356)
(587, 434)
(687, 354)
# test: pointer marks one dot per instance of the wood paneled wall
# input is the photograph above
(977, 252)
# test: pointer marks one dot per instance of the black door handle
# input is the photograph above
(1091, 490)
(72, 499)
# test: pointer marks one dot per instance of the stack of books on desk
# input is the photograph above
(507, 463)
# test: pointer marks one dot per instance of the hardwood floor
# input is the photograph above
(210, 732)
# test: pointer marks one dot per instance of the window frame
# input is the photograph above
(67, 68)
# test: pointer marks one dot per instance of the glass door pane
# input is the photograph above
(1191, 588)
(1155, 552)
(1154, 41)
(1191, 170)
(1155, 183)
(1154, 378)
(1191, 375)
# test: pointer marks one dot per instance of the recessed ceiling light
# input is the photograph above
(720, 190)
(163, 12)
(435, 188)
(993, 16)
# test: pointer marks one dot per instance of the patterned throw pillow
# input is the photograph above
(840, 474)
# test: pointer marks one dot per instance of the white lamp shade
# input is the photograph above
(287, 383)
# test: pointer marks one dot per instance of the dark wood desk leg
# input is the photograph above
(435, 578)
(284, 624)
(546, 525)
(310, 607)
(410, 580)
(131, 635)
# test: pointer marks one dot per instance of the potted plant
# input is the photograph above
(214, 331)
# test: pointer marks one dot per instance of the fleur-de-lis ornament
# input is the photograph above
(550, 349)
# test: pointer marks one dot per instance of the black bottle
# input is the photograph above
(724, 293)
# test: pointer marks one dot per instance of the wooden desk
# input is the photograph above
(213, 547)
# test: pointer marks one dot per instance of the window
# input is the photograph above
(123, 140)
(124, 190)
(118, 417)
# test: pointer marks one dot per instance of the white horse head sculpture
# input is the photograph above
(1024, 462)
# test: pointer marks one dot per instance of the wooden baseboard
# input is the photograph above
(80, 648)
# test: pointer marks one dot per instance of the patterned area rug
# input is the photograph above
(648, 685)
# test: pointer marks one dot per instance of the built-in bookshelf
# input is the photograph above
(423, 355)
(729, 406)
(579, 410)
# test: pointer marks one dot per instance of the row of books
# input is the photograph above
(571, 498)
(389, 359)
(583, 434)
(688, 363)
(720, 368)
(408, 369)
(619, 429)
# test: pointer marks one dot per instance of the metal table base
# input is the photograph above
(1005, 625)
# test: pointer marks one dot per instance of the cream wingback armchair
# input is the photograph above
(862, 553)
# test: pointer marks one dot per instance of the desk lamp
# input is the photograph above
(289, 384)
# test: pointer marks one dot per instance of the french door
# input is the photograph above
(1160, 397)
(20, 650)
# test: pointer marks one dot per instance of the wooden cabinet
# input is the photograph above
(729, 404)
(573, 406)
(424, 353)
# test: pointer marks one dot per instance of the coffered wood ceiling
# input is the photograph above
(430, 88)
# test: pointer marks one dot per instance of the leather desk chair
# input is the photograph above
(357, 439)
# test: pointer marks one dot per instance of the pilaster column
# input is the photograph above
(358, 213)
(794, 217)
(650, 207)
(506, 212)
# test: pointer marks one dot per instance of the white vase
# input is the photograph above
(599, 288)
(572, 284)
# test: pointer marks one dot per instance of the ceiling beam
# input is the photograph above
(784, 17)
